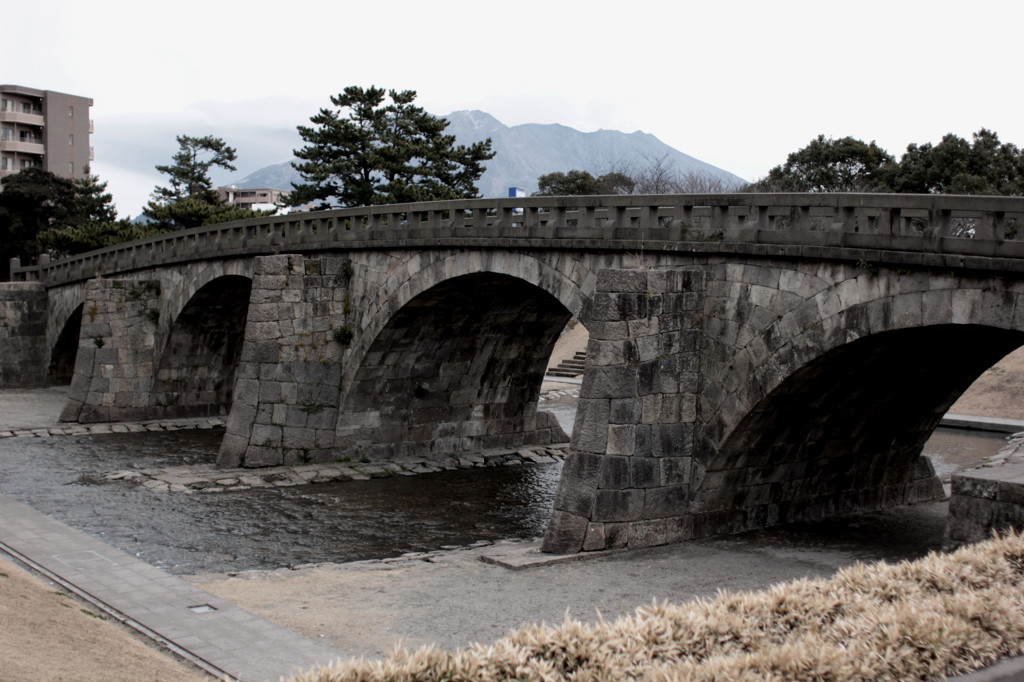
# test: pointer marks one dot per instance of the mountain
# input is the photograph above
(527, 151)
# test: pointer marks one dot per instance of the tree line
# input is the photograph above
(983, 165)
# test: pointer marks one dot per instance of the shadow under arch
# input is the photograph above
(65, 350)
(196, 373)
(845, 431)
(457, 368)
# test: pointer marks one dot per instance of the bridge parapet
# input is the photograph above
(885, 227)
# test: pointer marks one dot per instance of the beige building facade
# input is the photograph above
(44, 129)
(261, 199)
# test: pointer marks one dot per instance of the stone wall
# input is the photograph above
(288, 385)
(628, 477)
(698, 417)
(23, 362)
(456, 369)
(113, 378)
(988, 499)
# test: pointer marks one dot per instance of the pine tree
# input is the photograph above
(369, 152)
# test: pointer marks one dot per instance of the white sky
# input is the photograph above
(736, 84)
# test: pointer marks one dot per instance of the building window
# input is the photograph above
(71, 110)
(5, 105)
(6, 134)
(71, 168)
(71, 139)
(6, 163)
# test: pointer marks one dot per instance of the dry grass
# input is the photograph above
(940, 615)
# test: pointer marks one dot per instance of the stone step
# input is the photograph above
(570, 367)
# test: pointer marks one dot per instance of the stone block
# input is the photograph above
(1011, 492)
(608, 330)
(256, 457)
(675, 470)
(615, 473)
(648, 533)
(666, 501)
(601, 353)
(265, 436)
(609, 382)
(621, 439)
(590, 433)
(595, 539)
(618, 505)
(645, 472)
(565, 534)
(672, 440)
(970, 486)
(679, 528)
(232, 450)
(622, 281)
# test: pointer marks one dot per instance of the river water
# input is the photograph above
(325, 522)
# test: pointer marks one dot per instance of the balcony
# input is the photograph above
(21, 147)
(19, 117)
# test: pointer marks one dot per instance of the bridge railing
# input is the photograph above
(967, 225)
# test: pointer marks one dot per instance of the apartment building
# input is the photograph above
(44, 129)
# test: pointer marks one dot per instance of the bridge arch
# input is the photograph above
(809, 390)
(828, 404)
(844, 432)
(64, 350)
(456, 367)
(64, 313)
(197, 365)
(768, 335)
(568, 281)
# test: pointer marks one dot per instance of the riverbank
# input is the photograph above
(451, 597)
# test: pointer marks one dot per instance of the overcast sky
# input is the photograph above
(736, 84)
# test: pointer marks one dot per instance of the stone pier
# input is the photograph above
(24, 360)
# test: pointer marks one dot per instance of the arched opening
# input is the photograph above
(62, 358)
(458, 368)
(196, 376)
(845, 431)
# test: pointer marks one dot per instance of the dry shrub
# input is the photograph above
(937, 616)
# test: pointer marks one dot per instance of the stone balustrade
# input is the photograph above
(930, 230)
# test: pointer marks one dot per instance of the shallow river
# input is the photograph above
(325, 522)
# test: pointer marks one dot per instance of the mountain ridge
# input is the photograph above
(529, 150)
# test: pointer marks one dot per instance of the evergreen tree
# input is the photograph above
(93, 235)
(580, 182)
(191, 199)
(366, 151)
(955, 166)
(31, 201)
(94, 204)
(827, 165)
(190, 172)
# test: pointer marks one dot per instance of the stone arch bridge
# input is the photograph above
(754, 359)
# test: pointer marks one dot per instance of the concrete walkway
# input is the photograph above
(219, 637)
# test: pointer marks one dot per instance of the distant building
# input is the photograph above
(44, 129)
(252, 199)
